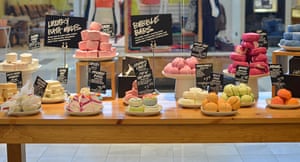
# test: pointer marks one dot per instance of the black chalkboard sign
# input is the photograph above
(62, 75)
(216, 83)
(108, 28)
(39, 86)
(263, 39)
(148, 28)
(98, 81)
(144, 77)
(15, 77)
(34, 41)
(199, 50)
(203, 75)
(92, 66)
(242, 74)
(276, 73)
(59, 29)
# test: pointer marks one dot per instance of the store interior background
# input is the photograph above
(239, 16)
(51, 57)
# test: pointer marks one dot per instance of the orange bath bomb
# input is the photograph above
(277, 100)
(292, 101)
(212, 97)
(284, 93)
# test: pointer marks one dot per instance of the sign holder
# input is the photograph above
(64, 46)
(153, 46)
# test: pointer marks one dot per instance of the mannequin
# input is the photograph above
(105, 12)
(210, 11)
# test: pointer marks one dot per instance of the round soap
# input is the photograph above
(149, 100)
(135, 102)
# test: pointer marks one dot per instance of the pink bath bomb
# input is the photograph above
(191, 61)
(178, 62)
(185, 70)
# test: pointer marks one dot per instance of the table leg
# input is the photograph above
(16, 153)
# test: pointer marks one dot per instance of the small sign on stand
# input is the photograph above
(62, 75)
(242, 74)
(199, 50)
(96, 78)
(15, 77)
(34, 41)
(39, 86)
(276, 74)
(203, 75)
(216, 83)
(144, 77)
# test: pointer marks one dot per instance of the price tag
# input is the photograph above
(98, 81)
(145, 80)
(276, 73)
(34, 41)
(39, 86)
(199, 50)
(242, 74)
(203, 75)
(15, 77)
(216, 83)
(62, 75)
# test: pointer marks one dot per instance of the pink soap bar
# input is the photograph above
(80, 53)
(104, 53)
(104, 37)
(82, 45)
(250, 37)
(92, 54)
(95, 26)
(255, 71)
(90, 35)
(92, 45)
(260, 58)
(237, 57)
(104, 46)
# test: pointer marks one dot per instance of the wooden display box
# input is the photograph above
(124, 84)
(110, 68)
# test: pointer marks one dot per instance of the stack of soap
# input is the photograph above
(95, 43)
(54, 90)
(7, 90)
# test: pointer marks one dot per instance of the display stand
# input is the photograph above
(107, 64)
(252, 82)
(26, 73)
(182, 83)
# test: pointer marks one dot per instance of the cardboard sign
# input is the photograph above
(199, 50)
(148, 28)
(216, 83)
(59, 29)
(62, 75)
(203, 75)
(15, 77)
(39, 86)
(34, 41)
(98, 81)
(276, 74)
(242, 74)
(144, 77)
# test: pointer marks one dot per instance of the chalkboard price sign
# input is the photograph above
(108, 28)
(144, 77)
(147, 28)
(216, 83)
(242, 74)
(276, 73)
(62, 75)
(59, 29)
(92, 66)
(199, 50)
(39, 86)
(98, 81)
(203, 75)
(34, 41)
(15, 77)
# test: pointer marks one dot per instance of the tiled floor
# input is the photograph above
(240, 152)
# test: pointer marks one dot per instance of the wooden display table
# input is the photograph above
(173, 125)
(109, 65)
